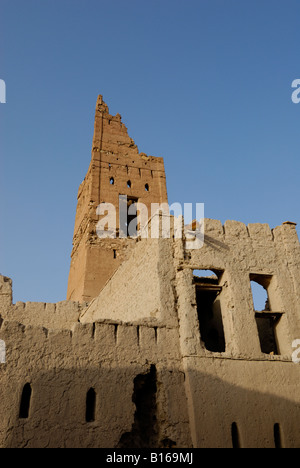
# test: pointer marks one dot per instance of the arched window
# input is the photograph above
(129, 183)
(90, 405)
(25, 402)
(147, 187)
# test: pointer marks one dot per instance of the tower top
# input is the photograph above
(110, 134)
(101, 106)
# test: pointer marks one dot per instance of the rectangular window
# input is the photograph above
(267, 319)
(128, 226)
(132, 227)
(208, 290)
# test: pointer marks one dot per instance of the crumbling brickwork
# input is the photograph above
(116, 168)
(62, 365)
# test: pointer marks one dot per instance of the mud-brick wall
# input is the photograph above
(60, 315)
(117, 361)
(239, 252)
(242, 396)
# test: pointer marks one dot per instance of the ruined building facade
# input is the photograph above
(148, 350)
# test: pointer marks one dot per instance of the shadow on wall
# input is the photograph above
(59, 409)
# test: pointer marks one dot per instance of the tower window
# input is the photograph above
(129, 183)
(132, 226)
(112, 181)
(147, 188)
(25, 402)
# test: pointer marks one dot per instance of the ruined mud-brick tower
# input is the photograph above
(117, 168)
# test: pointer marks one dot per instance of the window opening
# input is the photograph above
(25, 402)
(266, 319)
(90, 405)
(132, 227)
(277, 436)
(209, 311)
(235, 436)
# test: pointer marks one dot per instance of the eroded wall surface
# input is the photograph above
(139, 344)
(61, 367)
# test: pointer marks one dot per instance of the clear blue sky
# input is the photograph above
(205, 84)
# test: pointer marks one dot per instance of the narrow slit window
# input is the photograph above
(112, 181)
(25, 402)
(129, 183)
(147, 187)
(90, 405)
(208, 291)
(277, 436)
(235, 436)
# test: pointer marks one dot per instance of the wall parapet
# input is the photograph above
(60, 315)
(260, 232)
(88, 343)
(5, 292)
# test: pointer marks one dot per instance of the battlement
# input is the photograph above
(89, 343)
(60, 315)
(232, 231)
(61, 366)
(6, 294)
